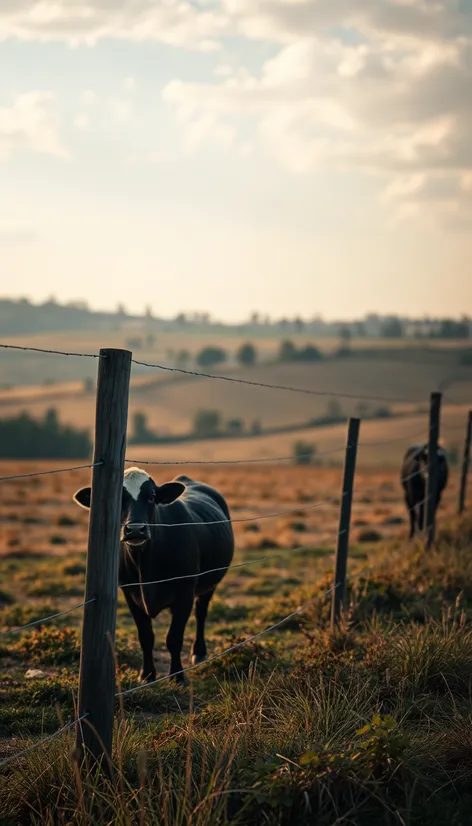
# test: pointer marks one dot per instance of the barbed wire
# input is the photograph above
(269, 459)
(46, 619)
(285, 552)
(258, 634)
(42, 742)
(395, 439)
(284, 387)
(53, 352)
(257, 517)
(243, 518)
(49, 472)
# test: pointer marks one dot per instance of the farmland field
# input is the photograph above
(300, 726)
(42, 564)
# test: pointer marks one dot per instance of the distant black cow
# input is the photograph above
(414, 477)
(150, 551)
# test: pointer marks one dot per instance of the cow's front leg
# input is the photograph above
(180, 611)
(201, 609)
(146, 638)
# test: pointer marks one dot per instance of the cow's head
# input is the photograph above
(139, 498)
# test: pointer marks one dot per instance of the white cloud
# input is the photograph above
(177, 22)
(120, 109)
(129, 84)
(31, 124)
(89, 97)
(382, 87)
(396, 103)
(81, 122)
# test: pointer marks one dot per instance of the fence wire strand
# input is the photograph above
(49, 472)
(42, 742)
(268, 459)
(244, 518)
(284, 387)
(52, 352)
(255, 636)
(285, 552)
(46, 619)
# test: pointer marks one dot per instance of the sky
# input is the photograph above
(228, 156)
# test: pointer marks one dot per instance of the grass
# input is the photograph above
(269, 733)
(369, 725)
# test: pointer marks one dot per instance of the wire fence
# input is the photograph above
(339, 500)
(217, 656)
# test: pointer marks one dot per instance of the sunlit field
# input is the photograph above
(259, 711)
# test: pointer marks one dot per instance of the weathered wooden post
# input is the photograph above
(432, 481)
(97, 663)
(465, 464)
(342, 548)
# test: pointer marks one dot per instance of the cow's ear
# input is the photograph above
(165, 494)
(82, 497)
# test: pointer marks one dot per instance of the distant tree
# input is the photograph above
(451, 329)
(88, 385)
(121, 310)
(309, 353)
(183, 359)
(256, 427)
(391, 328)
(206, 423)
(287, 351)
(235, 427)
(247, 355)
(150, 341)
(362, 410)
(148, 312)
(210, 356)
(382, 413)
(181, 319)
(299, 324)
(345, 336)
(141, 432)
(22, 437)
(304, 452)
(334, 411)
(134, 343)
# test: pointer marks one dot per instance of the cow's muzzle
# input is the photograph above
(134, 534)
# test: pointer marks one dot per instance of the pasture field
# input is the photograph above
(170, 401)
(371, 725)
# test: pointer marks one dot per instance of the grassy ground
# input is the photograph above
(371, 725)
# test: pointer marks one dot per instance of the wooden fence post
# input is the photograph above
(432, 481)
(97, 663)
(465, 464)
(342, 548)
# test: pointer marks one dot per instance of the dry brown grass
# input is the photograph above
(34, 510)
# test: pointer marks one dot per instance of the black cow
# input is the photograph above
(414, 477)
(150, 551)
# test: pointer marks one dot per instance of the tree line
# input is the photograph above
(23, 437)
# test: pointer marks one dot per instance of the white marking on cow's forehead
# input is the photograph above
(133, 481)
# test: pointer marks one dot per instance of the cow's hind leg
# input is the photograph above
(199, 651)
(146, 638)
(412, 515)
(180, 610)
